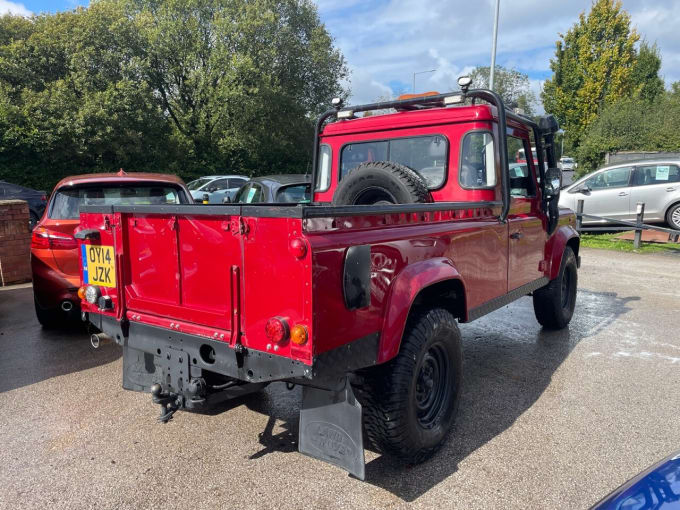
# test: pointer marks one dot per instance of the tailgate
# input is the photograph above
(183, 266)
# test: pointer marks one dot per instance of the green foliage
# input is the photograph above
(188, 86)
(632, 125)
(594, 65)
(512, 85)
(648, 84)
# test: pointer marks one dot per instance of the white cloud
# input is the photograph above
(13, 8)
(386, 41)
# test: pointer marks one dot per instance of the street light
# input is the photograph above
(420, 72)
(492, 71)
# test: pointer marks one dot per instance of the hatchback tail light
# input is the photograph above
(45, 239)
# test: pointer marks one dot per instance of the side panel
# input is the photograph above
(476, 247)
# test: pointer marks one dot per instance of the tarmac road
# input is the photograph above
(547, 419)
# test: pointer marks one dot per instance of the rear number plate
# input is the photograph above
(98, 265)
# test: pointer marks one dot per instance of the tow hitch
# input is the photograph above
(170, 402)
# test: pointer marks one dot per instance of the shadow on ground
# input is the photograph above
(508, 363)
(31, 354)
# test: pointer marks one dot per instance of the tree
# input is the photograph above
(594, 66)
(632, 124)
(647, 82)
(190, 86)
(512, 85)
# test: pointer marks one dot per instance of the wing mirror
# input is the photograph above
(553, 183)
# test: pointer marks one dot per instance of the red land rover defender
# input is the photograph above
(415, 225)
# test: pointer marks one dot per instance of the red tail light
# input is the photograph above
(45, 239)
(43, 198)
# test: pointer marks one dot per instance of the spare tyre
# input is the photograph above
(381, 182)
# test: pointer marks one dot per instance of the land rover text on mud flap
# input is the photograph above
(417, 223)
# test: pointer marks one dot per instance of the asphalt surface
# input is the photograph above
(547, 419)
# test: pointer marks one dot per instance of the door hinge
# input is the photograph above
(239, 226)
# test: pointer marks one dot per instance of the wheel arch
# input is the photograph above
(419, 283)
(564, 236)
(667, 210)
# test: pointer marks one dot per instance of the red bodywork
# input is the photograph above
(55, 260)
(221, 273)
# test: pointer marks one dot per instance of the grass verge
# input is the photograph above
(608, 241)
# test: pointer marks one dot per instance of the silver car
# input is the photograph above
(615, 190)
(217, 187)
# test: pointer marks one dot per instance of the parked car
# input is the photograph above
(656, 488)
(54, 252)
(217, 187)
(567, 164)
(36, 199)
(615, 190)
(412, 228)
(287, 188)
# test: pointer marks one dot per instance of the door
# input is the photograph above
(607, 193)
(526, 223)
(657, 186)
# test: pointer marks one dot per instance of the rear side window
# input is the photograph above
(656, 174)
(323, 172)
(477, 161)
(67, 202)
(250, 194)
(427, 155)
(293, 194)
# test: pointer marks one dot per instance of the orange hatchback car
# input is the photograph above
(54, 252)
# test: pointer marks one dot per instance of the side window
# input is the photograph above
(255, 194)
(243, 194)
(521, 178)
(219, 184)
(235, 183)
(614, 178)
(323, 173)
(656, 174)
(477, 161)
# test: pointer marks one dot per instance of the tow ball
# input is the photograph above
(170, 402)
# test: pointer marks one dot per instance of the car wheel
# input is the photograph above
(32, 220)
(410, 403)
(48, 318)
(554, 304)
(673, 216)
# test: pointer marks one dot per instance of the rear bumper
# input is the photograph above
(157, 355)
(50, 286)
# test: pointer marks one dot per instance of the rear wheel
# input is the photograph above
(673, 216)
(48, 318)
(410, 403)
(554, 304)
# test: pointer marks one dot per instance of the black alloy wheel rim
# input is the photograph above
(432, 388)
(567, 278)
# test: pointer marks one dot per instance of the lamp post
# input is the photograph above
(420, 72)
(492, 71)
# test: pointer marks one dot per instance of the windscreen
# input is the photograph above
(67, 202)
(194, 185)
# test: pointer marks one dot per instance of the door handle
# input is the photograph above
(623, 194)
(516, 235)
(670, 189)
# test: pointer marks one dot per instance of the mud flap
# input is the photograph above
(330, 428)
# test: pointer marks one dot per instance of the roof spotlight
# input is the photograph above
(464, 83)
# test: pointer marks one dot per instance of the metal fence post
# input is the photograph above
(638, 231)
(579, 212)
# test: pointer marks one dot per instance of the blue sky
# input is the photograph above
(386, 41)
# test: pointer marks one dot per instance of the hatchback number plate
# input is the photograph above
(99, 267)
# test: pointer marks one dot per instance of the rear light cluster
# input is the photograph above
(49, 239)
(278, 331)
(93, 295)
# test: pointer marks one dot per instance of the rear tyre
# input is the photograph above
(32, 220)
(673, 216)
(410, 403)
(48, 319)
(554, 304)
(381, 182)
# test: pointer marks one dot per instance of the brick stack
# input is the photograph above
(15, 243)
